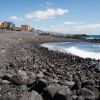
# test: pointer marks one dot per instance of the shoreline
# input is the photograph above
(79, 52)
(29, 69)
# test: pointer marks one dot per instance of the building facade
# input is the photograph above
(7, 25)
(25, 28)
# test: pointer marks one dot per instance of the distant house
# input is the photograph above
(0, 24)
(17, 29)
(32, 30)
(7, 25)
(25, 27)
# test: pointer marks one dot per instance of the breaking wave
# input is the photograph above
(81, 49)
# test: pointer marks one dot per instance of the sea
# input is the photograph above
(81, 49)
(92, 36)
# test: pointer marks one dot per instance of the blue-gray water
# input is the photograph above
(92, 36)
(82, 49)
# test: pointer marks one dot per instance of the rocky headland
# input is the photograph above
(31, 72)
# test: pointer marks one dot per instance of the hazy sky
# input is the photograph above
(68, 16)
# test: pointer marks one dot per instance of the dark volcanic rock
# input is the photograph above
(68, 83)
(8, 97)
(40, 75)
(94, 90)
(77, 85)
(31, 79)
(50, 91)
(38, 85)
(80, 98)
(63, 94)
(23, 87)
(87, 93)
(88, 82)
(30, 96)
(15, 79)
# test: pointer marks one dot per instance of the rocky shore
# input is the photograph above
(31, 72)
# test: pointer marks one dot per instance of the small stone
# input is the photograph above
(6, 82)
(74, 97)
(40, 75)
(50, 81)
(23, 87)
(8, 97)
(2, 72)
(68, 83)
(23, 74)
(32, 78)
(12, 72)
(80, 98)
(1, 81)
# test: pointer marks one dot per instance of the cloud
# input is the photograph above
(49, 3)
(72, 23)
(40, 15)
(88, 26)
(18, 19)
(49, 13)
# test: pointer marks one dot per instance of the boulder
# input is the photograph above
(39, 85)
(17, 80)
(50, 91)
(88, 82)
(8, 97)
(88, 94)
(68, 83)
(77, 85)
(80, 98)
(50, 81)
(23, 87)
(1, 81)
(2, 72)
(22, 74)
(30, 96)
(31, 79)
(94, 90)
(63, 94)
(11, 72)
(40, 75)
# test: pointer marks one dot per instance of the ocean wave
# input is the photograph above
(83, 53)
(75, 50)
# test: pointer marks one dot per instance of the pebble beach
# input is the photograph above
(31, 72)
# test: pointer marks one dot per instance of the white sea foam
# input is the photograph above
(73, 50)
(82, 53)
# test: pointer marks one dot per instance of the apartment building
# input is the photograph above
(0, 24)
(7, 25)
(25, 28)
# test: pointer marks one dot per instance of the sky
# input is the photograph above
(63, 16)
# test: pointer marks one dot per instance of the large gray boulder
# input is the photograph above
(39, 85)
(87, 94)
(94, 90)
(31, 96)
(50, 91)
(63, 94)
(8, 97)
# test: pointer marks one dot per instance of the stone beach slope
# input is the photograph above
(31, 72)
